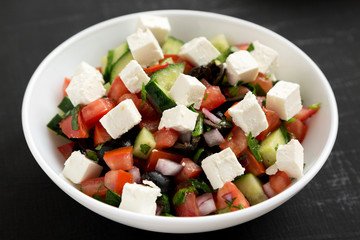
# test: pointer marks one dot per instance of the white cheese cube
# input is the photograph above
(86, 85)
(266, 57)
(290, 158)
(179, 118)
(121, 118)
(249, 116)
(144, 47)
(133, 76)
(284, 98)
(199, 51)
(79, 168)
(222, 167)
(158, 25)
(139, 198)
(241, 66)
(187, 90)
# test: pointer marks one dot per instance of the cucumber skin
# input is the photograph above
(158, 97)
(119, 65)
(268, 146)
(251, 187)
(172, 45)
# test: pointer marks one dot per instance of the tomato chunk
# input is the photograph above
(66, 127)
(65, 85)
(235, 140)
(156, 154)
(66, 149)
(189, 208)
(190, 170)
(120, 158)
(227, 192)
(264, 83)
(297, 129)
(254, 166)
(155, 68)
(166, 137)
(273, 122)
(95, 110)
(100, 134)
(243, 46)
(92, 186)
(212, 97)
(305, 113)
(151, 123)
(117, 89)
(116, 179)
(279, 181)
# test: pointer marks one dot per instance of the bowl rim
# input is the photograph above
(127, 216)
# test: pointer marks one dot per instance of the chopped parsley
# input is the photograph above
(250, 48)
(253, 144)
(144, 148)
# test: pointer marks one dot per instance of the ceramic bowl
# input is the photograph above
(43, 94)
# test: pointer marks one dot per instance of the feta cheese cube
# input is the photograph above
(290, 159)
(121, 118)
(199, 51)
(249, 116)
(144, 47)
(187, 90)
(179, 118)
(133, 76)
(139, 198)
(222, 167)
(158, 25)
(241, 66)
(266, 57)
(284, 98)
(86, 85)
(79, 168)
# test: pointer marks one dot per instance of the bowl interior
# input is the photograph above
(44, 93)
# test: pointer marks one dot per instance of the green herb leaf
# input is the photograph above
(92, 155)
(143, 93)
(284, 132)
(199, 126)
(290, 120)
(197, 155)
(250, 48)
(144, 148)
(179, 196)
(315, 106)
(74, 120)
(111, 198)
(253, 144)
(199, 185)
(164, 201)
(205, 97)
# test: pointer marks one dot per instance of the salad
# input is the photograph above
(173, 128)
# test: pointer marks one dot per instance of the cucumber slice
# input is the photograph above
(172, 45)
(251, 187)
(220, 42)
(144, 143)
(119, 51)
(113, 55)
(158, 97)
(269, 145)
(120, 64)
(166, 77)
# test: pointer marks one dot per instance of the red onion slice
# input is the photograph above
(213, 137)
(228, 197)
(135, 171)
(211, 116)
(268, 190)
(206, 204)
(168, 167)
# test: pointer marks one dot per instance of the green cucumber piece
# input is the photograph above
(251, 187)
(269, 146)
(172, 45)
(144, 143)
(158, 97)
(65, 104)
(54, 124)
(220, 42)
(166, 77)
(119, 51)
(119, 65)
(108, 61)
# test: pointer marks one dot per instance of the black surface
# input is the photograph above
(33, 207)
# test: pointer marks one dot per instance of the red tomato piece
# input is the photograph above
(120, 158)
(297, 129)
(131, 96)
(229, 189)
(273, 122)
(65, 85)
(66, 128)
(95, 110)
(92, 186)
(265, 84)
(156, 154)
(117, 89)
(155, 68)
(147, 111)
(100, 134)
(116, 179)
(190, 170)
(235, 140)
(243, 46)
(254, 166)
(166, 137)
(66, 149)
(212, 97)
(305, 113)
(189, 208)
(151, 123)
(279, 181)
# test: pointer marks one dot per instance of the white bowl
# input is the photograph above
(43, 93)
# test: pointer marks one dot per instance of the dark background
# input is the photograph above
(33, 207)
